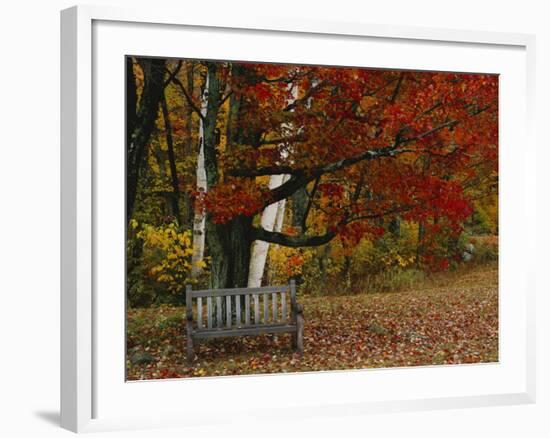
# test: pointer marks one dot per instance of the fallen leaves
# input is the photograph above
(450, 323)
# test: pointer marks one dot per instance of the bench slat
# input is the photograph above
(256, 309)
(219, 321)
(239, 291)
(238, 310)
(283, 306)
(260, 317)
(199, 312)
(243, 331)
(266, 306)
(228, 310)
(292, 302)
(209, 311)
(291, 320)
(247, 309)
(274, 307)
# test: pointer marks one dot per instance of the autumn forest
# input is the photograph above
(375, 190)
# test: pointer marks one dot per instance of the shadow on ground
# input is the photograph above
(51, 417)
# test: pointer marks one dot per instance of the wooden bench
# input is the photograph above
(274, 317)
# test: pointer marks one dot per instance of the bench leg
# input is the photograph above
(298, 335)
(189, 323)
(294, 334)
(190, 351)
(299, 342)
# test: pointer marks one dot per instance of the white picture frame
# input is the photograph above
(81, 374)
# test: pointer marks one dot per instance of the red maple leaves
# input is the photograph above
(442, 128)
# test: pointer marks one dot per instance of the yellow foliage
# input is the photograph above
(286, 262)
(487, 211)
(167, 254)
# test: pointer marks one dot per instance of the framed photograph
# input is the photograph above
(308, 218)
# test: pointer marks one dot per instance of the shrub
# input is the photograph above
(485, 248)
(159, 263)
(393, 280)
(373, 264)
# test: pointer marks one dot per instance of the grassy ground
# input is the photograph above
(451, 318)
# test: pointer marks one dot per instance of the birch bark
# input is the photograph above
(199, 220)
(272, 220)
(259, 247)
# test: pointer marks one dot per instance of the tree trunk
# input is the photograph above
(131, 99)
(420, 242)
(346, 270)
(199, 220)
(189, 148)
(279, 220)
(171, 160)
(222, 239)
(272, 220)
(230, 244)
(259, 247)
(394, 227)
(189, 117)
(426, 161)
(141, 122)
(230, 248)
(299, 205)
(209, 124)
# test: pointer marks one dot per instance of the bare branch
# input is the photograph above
(317, 240)
(172, 75)
(311, 196)
(449, 124)
(189, 99)
(292, 241)
(397, 87)
(227, 96)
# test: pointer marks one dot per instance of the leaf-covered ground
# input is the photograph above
(451, 319)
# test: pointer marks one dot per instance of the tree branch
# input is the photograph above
(388, 151)
(377, 90)
(293, 138)
(397, 87)
(305, 97)
(449, 124)
(310, 201)
(292, 241)
(303, 240)
(172, 75)
(263, 171)
(390, 212)
(189, 99)
(227, 96)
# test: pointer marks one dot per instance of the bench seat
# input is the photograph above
(237, 312)
(243, 331)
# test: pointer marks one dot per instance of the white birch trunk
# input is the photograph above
(281, 210)
(259, 247)
(272, 220)
(199, 221)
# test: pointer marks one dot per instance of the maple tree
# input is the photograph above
(349, 180)
(359, 148)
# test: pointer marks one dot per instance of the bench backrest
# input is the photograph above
(276, 306)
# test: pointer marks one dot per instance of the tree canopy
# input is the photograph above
(357, 148)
